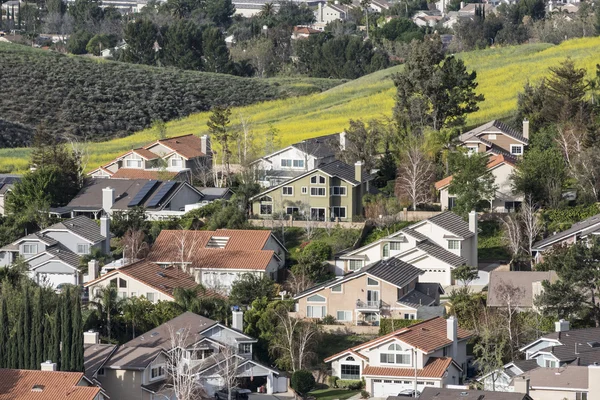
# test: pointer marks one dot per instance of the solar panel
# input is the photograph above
(139, 197)
(162, 192)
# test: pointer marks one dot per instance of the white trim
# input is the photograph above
(69, 231)
(542, 339)
(339, 207)
(317, 191)
(516, 146)
(53, 260)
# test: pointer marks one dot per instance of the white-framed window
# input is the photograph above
(30, 249)
(245, 348)
(291, 210)
(581, 396)
(492, 136)
(338, 212)
(516, 149)
(338, 190)
(317, 180)
(122, 283)
(409, 316)
(266, 209)
(176, 162)
(83, 248)
(386, 250)
(395, 246)
(317, 191)
(429, 383)
(344, 316)
(122, 295)
(316, 311)
(286, 163)
(354, 265)
(133, 163)
(298, 163)
(350, 371)
(396, 355)
(550, 364)
(337, 288)
(472, 149)
(288, 190)
(372, 282)
(157, 372)
(133, 294)
(304, 190)
(453, 244)
(151, 297)
(316, 298)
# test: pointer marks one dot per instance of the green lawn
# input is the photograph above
(333, 394)
(490, 243)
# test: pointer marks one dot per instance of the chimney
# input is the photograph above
(452, 334)
(462, 5)
(91, 337)
(358, 171)
(205, 144)
(342, 138)
(473, 227)
(105, 231)
(526, 128)
(108, 199)
(594, 381)
(561, 326)
(237, 320)
(320, 13)
(521, 384)
(48, 366)
(93, 267)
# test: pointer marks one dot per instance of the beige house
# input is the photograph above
(388, 288)
(432, 353)
(505, 200)
(496, 138)
(332, 191)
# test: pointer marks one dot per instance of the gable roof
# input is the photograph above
(578, 227)
(452, 223)
(188, 146)
(431, 393)
(94, 356)
(570, 377)
(321, 146)
(81, 226)
(147, 154)
(493, 162)
(499, 125)
(441, 254)
(521, 281)
(18, 384)
(435, 368)
(588, 345)
(58, 253)
(132, 358)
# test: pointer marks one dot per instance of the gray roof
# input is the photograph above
(417, 235)
(82, 226)
(320, 147)
(132, 358)
(94, 355)
(571, 376)
(7, 181)
(588, 346)
(430, 393)
(526, 365)
(507, 130)
(577, 228)
(441, 254)
(40, 236)
(60, 252)
(343, 171)
(452, 223)
(417, 299)
(521, 282)
(393, 270)
(214, 193)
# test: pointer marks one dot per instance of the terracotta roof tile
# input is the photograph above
(188, 146)
(18, 384)
(134, 173)
(147, 154)
(435, 368)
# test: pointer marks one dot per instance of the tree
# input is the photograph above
(293, 341)
(66, 336)
(26, 311)
(134, 245)
(471, 182)
(227, 369)
(298, 282)
(182, 47)
(37, 331)
(465, 274)
(311, 261)
(4, 333)
(182, 380)
(98, 43)
(141, 37)
(77, 334)
(160, 128)
(491, 346)
(513, 236)
(135, 311)
(219, 11)
(303, 382)
(415, 173)
(361, 143)
(107, 304)
(218, 126)
(216, 54)
(532, 225)
(78, 42)
(56, 337)
(244, 289)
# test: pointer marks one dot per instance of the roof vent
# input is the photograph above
(464, 394)
(594, 344)
(154, 334)
(37, 388)
(161, 274)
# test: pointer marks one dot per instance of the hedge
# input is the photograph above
(353, 384)
(385, 325)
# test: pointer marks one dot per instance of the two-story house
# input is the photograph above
(388, 288)
(54, 254)
(432, 353)
(174, 158)
(7, 182)
(436, 246)
(504, 200)
(496, 138)
(298, 158)
(332, 192)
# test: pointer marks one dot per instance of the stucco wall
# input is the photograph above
(134, 287)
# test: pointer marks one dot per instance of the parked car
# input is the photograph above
(236, 394)
(409, 393)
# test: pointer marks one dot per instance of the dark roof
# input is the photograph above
(343, 171)
(507, 130)
(588, 346)
(154, 387)
(417, 235)
(416, 299)
(393, 270)
(441, 254)
(213, 193)
(82, 226)
(526, 365)
(94, 355)
(573, 230)
(452, 223)
(132, 358)
(7, 181)
(430, 393)
(62, 253)
(320, 147)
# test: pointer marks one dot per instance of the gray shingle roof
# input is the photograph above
(416, 299)
(343, 171)
(94, 356)
(586, 353)
(507, 130)
(417, 235)
(60, 252)
(578, 227)
(393, 270)
(132, 358)
(320, 147)
(430, 393)
(441, 254)
(82, 226)
(452, 223)
(526, 365)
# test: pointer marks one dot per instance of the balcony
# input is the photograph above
(369, 305)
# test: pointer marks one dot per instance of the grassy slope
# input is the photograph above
(502, 72)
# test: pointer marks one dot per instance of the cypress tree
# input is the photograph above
(48, 350)
(13, 357)
(56, 336)
(19, 17)
(26, 312)
(77, 345)
(20, 344)
(66, 335)
(4, 334)
(37, 332)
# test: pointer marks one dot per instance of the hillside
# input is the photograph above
(101, 100)
(501, 73)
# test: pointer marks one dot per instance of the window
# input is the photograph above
(492, 136)
(245, 348)
(122, 283)
(472, 149)
(396, 355)
(122, 295)
(337, 288)
(516, 149)
(266, 209)
(291, 210)
(372, 282)
(101, 372)
(304, 190)
(354, 265)
(395, 245)
(287, 163)
(550, 364)
(317, 192)
(317, 179)
(316, 299)
(150, 297)
(133, 163)
(30, 248)
(454, 244)
(133, 294)
(157, 372)
(428, 383)
(298, 163)
(288, 190)
(344, 316)
(176, 162)
(350, 371)
(386, 250)
(338, 190)
(316, 311)
(113, 282)
(83, 248)
(338, 212)
(581, 396)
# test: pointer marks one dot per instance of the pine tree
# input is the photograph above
(77, 345)
(37, 332)
(4, 334)
(66, 334)
(56, 336)
(26, 312)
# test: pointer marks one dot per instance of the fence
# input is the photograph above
(273, 224)
(408, 215)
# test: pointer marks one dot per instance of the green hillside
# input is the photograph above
(501, 74)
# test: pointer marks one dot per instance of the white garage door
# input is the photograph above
(387, 387)
(55, 279)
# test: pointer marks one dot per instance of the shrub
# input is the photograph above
(351, 384)
(364, 394)
(333, 381)
(329, 320)
(388, 325)
(303, 382)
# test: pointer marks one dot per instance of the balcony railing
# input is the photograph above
(368, 305)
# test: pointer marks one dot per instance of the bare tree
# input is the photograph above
(310, 222)
(293, 341)
(81, 151)
(298, 282)
(510, 297)
(202, 172)
(415, 174)
(532, 224)
(227, 368)
(135, 246)
(587, 171)
(245, 141)
(513, 236)
(186, 242)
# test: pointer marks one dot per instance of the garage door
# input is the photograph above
(388, 387)
(55, 279)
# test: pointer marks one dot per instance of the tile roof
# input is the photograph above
(18, 384)
(343, 171)
(132, 358)
(431, 393)
(94, 355)
(441, 254)
(414, 234)
(189, 146)
(416, 299)
(577, 227)
(135, 173)
(452, 223)
(435, 368)
(520, 281)
(62, 253)
(526, 365)
(570, 377)
(82, 226)
(507, 130)
(147, 154)
(393, 270)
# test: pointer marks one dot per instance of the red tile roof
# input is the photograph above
(435, 368)
(134, 173)
(189, 146)
(147, 154)
(51, 385)
(494, 161)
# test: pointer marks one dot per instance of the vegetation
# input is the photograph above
(333, 394)
(302, 382)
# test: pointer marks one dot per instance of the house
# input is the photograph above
(331, 12)
(387, 288)
(298, 158)
(430, 393)
(176, 158)
(47, 384)
(138, 368)
(7, 181)
(470, 9)
(496, 138)
(430, 353)
(436, 246)
(330, 192)
(210, 194)
(572, 382)
(501, 379)
(579, 231)
(54, 254)
(95, 354)
(304, 32)
(160, 199)
(505, 200)
(218, 258)
(427, 18)
(517, 288)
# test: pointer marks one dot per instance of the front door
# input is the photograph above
(317, 214)
(373, 298)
